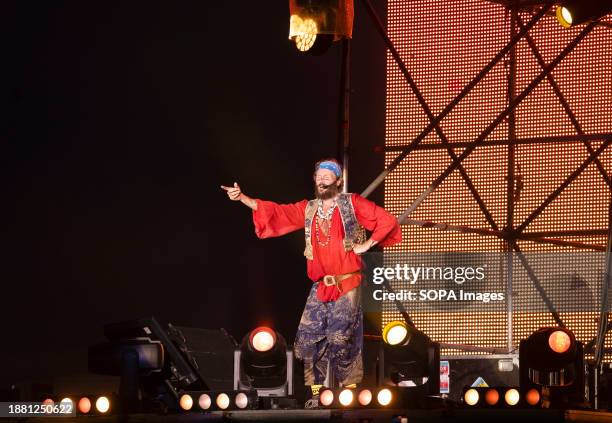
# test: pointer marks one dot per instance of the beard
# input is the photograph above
(329, 191)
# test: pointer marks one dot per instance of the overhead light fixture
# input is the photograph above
(315, 24)
(576, 12)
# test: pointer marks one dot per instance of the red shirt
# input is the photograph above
(272, 219)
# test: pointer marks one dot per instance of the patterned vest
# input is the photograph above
(354, 233)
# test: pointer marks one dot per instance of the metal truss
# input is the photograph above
(509, 231)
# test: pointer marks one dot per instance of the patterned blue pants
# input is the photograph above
(331, 334)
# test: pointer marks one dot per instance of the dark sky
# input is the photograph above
(119, 121)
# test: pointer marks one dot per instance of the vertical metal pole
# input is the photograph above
(511, 167)
(343, 112)
(604, 313)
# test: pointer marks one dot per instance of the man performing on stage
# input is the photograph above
(331, 329)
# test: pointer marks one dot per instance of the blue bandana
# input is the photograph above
(331, 166)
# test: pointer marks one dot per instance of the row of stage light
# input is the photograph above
(551, 364)
(501, 397)
(86, 404)
(218, 401)
(547, 352)
(329, 398)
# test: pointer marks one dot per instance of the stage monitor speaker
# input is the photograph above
(211, 352)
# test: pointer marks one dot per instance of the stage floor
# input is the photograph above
(409, 416)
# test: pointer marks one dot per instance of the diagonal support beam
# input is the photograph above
(602, 326)
(564, 185)
(468, 88)
(538, 286)
(564, 103)
(480, 140)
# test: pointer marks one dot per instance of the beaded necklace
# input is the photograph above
(324, 217)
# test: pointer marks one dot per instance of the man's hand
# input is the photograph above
(234, 192)
(362, 248)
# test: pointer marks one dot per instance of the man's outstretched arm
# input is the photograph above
(235, 194)
(270, 219)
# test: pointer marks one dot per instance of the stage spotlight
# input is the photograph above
(532, 397)
(48, 401)
(84, 405)
(365, 397)
(492, 396)
(315, 24)
(395, 333)
(223, 401)
(326, 397)
(552, 357)
(512, 397)
(241, 400)
(549, 350)
(559, 341)
(205, 401)
(346, 397)
(384, 397)
(265, 363)
(102, 405)
(471, 397)
(262, 339)
(575, 12)
(409, 358)
(186, 402)
(67, 400)
(304, 32)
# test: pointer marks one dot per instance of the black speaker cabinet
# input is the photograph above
(210, 351)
